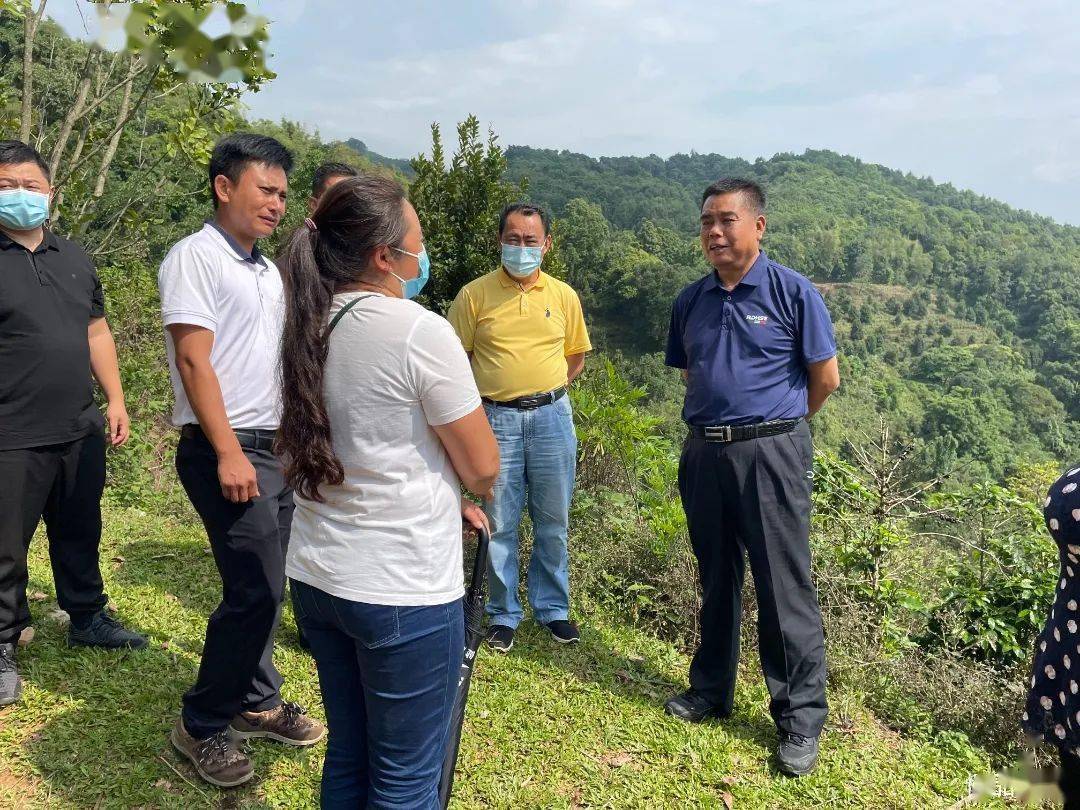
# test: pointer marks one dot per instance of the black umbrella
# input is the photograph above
(474, 616)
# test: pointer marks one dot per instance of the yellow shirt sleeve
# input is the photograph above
(462, 316)
(577, 337)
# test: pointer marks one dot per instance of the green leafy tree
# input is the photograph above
(127, 133)
(459, 205)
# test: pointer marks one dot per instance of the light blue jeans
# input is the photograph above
(538, 452)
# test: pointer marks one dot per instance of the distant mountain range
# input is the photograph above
(401, 164)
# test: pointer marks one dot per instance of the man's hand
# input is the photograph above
(238, 480)
(119, 423)
(474, 515)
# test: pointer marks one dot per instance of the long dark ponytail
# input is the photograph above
(354, 218)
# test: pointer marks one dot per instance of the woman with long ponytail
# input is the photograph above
(381, 425)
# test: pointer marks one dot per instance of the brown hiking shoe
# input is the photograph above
(287, 724)
(216, 759)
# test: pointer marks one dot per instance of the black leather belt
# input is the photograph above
(251, 438)
(740, 433)
(530, 403)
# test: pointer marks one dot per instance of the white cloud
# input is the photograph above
(985, 93)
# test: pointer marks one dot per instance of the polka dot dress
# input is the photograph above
(1053, 705)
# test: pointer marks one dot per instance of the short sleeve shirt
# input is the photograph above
(390, 533)
(48, 297)
(746, 350)
(519, 339)
(208, 280)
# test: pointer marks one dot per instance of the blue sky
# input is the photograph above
(984, 94)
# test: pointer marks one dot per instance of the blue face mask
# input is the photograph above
(521, 261)
(23, 210)
(411, 287)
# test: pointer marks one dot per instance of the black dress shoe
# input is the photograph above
(797, 754)
(693, 707)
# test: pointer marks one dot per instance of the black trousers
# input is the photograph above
(1069, 780)
(61, 483)
(753, 497)
(249, 541)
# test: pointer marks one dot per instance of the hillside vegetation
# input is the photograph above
(958, 320)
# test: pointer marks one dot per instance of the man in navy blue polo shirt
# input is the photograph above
(755, 345)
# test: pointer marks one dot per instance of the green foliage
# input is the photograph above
(975, 271)
(621, 448)
(168, 34)
(459, 206)
(995, 595)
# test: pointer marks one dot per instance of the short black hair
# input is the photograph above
(525, 209)
(234, 152)
(327, 170)
(751, 191)
(12, 152)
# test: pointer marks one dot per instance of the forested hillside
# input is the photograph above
(958, 320)
(958, 317)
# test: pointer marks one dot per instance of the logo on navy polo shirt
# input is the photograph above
(758, 320)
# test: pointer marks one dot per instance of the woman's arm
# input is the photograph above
(473, 451)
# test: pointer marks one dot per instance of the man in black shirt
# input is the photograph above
(53, 335)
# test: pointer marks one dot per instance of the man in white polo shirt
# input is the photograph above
(222, 303)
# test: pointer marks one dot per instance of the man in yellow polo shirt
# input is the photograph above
(526, 339)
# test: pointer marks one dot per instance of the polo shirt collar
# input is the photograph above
(756, 275)
(506, 281)
(49, 242)
(255, 257)
(753, 278)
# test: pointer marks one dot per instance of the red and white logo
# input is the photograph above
(758, 320)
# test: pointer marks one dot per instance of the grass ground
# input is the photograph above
(547, 726)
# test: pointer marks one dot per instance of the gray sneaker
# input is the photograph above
(10, 683)
(102, 630)
(797, 754)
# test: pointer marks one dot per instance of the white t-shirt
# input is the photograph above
(206, 281)
(390, 534)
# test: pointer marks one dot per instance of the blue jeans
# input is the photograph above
(538, 455)
(388, 677)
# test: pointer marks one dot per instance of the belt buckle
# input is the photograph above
(720, 433)
(529, 403)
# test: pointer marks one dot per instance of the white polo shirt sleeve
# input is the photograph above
(188, 284)
(439, 371)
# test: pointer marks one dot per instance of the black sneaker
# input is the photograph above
(10, 682)
(797, 754)
(693, 707)
(563, 631)
(104, 631)
(500, 638)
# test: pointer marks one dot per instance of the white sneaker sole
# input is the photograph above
(203, 774)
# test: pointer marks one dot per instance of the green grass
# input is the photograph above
(547, 726)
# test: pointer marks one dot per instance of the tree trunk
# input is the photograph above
(114, 142)
(64, 135)
(30, 28)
